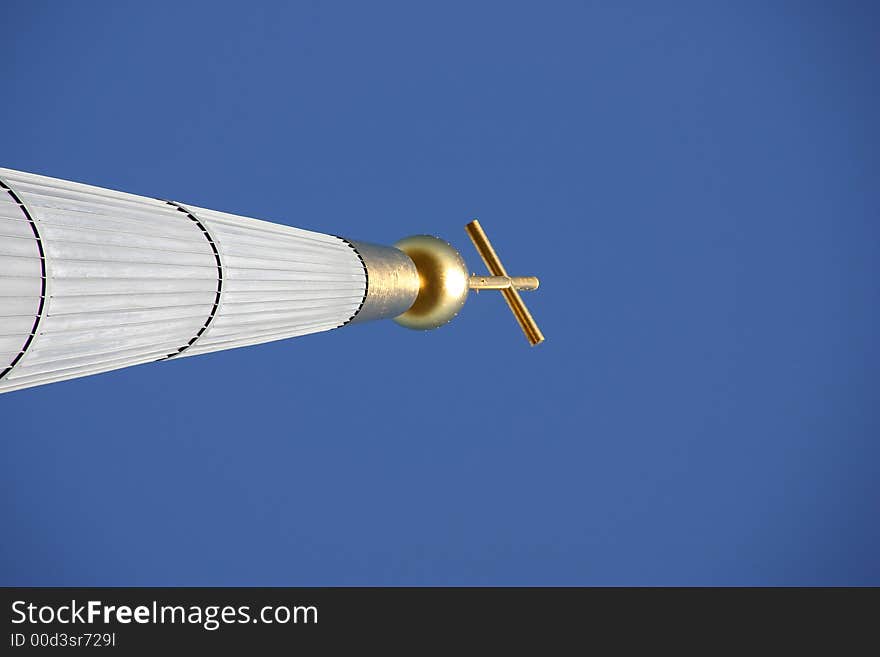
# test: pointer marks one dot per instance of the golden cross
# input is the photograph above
(499, 280)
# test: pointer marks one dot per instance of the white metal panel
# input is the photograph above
(129, 279)
(20, 282)
(278, 282)
(133, 279)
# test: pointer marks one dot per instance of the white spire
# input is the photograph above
(93, 280)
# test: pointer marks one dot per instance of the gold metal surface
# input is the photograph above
(478, 283)
(443, 282)
(392, 281)
(493, 262)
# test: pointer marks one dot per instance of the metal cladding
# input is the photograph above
(392, 281)
(93, 280)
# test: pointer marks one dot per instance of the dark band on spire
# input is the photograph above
(216, 305)
(43, 277)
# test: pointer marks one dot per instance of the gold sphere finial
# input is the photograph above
(443, 282)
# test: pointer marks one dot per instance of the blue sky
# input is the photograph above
(697, 185)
